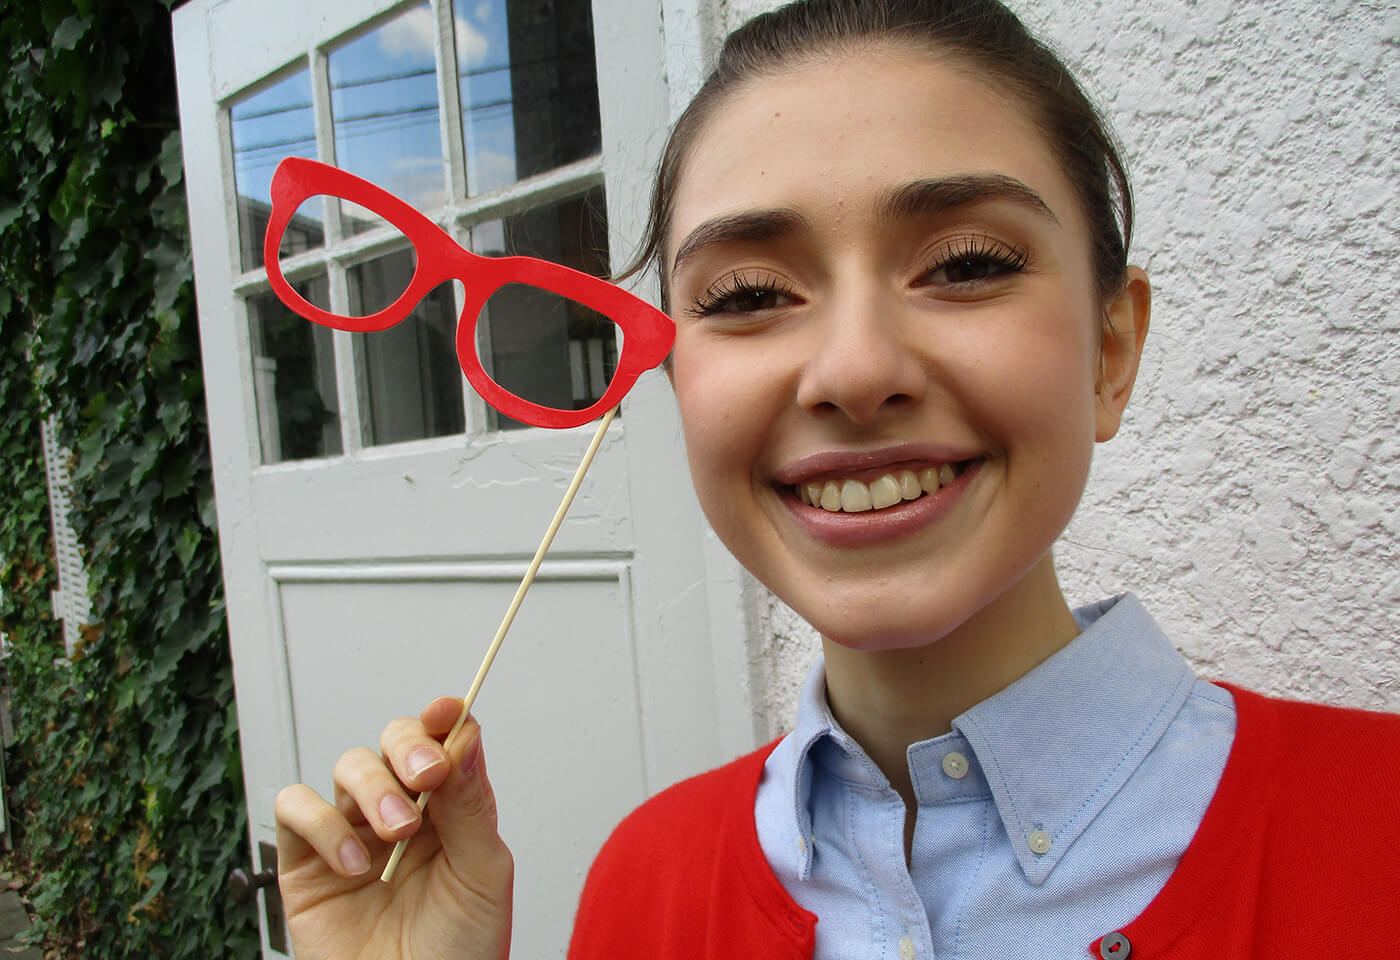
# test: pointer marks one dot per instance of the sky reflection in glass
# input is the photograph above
(271, 124)
(528, 85)
(384, 105)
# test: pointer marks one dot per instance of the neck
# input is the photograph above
(889, 699)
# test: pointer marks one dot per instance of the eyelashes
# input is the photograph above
(968, 261)
(962, 267)
(741, 292)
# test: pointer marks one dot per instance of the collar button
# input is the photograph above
(955, 765)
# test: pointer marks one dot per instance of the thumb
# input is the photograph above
(463, 810)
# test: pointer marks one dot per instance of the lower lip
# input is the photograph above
(869, 527)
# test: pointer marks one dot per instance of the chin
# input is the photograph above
(877, 631)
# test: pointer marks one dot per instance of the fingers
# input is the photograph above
(368, 792)
(463, 810)
(411, 748)
(377, 791)
(441, 715)
(307, 824)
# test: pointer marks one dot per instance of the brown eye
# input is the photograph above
(974, 260)
(968, 270)
(748, 300)
(740, 295)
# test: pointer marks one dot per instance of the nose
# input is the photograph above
(863, 364)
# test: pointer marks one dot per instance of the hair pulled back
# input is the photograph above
(984, 34)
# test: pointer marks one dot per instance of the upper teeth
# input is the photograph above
(854, 496)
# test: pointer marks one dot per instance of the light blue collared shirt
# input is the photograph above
(1051, 815)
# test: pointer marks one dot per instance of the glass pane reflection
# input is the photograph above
(413, 386)
(384, 104)
(267, 126)
(294, 377)
(538, 346)
(529, 87)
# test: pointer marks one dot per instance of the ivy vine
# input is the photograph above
(125, 779)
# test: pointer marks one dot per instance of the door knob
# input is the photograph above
(243, 885)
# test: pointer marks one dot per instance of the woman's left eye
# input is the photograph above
(972, 261)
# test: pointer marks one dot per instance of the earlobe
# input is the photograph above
(1126, 319)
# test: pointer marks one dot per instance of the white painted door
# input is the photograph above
(374, 515)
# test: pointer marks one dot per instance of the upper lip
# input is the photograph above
(868, 464)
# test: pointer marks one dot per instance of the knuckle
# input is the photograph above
(327, 821)
(287, 800)
(353, 765)
(501, 861)
(482, 806)
(295, 799)
(397, 732)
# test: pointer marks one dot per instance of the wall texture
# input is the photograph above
(1252, 498)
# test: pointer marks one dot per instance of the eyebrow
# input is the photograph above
(929, 197)
(919, 198)
(753, 226)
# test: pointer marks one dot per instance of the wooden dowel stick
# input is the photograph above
(506, 621)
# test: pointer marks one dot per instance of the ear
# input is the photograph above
(1124, 330)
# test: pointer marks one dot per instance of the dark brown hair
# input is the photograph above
(986, 35)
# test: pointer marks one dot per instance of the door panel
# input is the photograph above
(547, 766)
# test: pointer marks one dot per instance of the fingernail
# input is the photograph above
(396, 812)
(422, 759)
(353, 857)
(471, 755)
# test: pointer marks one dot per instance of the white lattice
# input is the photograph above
(71, 605)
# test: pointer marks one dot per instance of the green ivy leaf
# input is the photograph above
(187, 544)
(69, 32)
(157, 877)
(172, 159)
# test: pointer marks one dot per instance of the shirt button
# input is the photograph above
(1038, 841)
(801, 844)
(906, 949)
(1115, 946)
(955, 765)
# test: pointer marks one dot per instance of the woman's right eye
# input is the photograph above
(738, 294)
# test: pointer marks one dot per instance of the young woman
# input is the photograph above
(893, 238)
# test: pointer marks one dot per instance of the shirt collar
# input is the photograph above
(1054, 747)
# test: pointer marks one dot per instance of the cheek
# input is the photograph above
(711, 397)
(1034, 396)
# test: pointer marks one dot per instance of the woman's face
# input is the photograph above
(887, 342)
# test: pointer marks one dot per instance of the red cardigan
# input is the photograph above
(1298, 856)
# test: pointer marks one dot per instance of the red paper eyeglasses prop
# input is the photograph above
(647, 333)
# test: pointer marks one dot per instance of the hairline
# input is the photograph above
(899, 40)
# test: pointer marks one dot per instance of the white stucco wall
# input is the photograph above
(1252, 498)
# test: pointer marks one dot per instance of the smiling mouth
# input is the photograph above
(847, 495)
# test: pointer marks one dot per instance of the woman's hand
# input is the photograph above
(451, 894)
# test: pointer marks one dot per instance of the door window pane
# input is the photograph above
(384, 104)
(413, 386)
(267, 126)
(541, 347)
(529, 87)
(294, 377)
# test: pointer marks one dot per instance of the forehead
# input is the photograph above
(834, 134)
